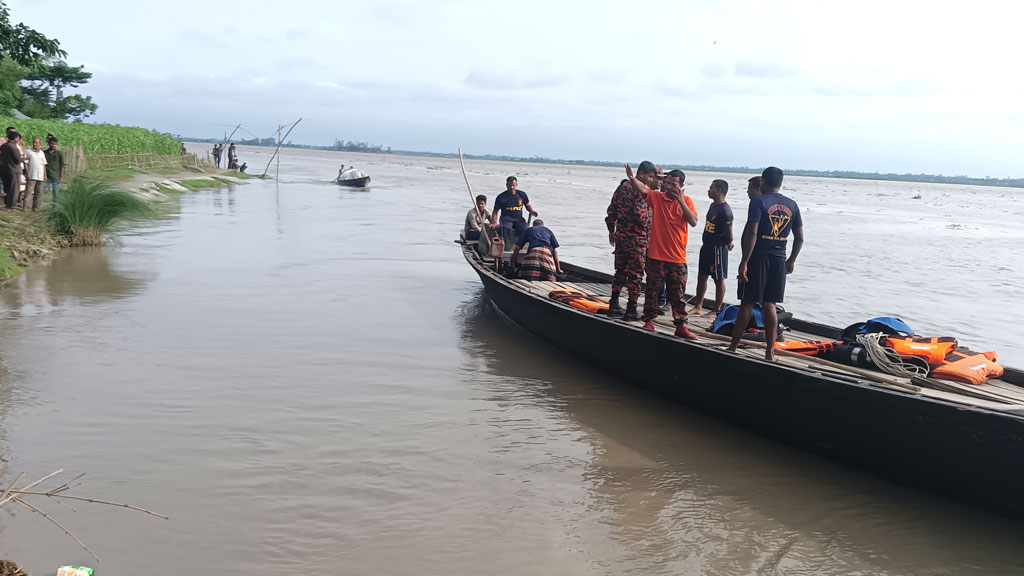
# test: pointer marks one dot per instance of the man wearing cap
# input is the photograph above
(511, 203)
(672, 214)
(764, 266)
(629, 231)
(11, 167)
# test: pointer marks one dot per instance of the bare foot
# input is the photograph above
(731, 349)
(696, 310)
(769, 356)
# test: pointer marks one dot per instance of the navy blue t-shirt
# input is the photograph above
(537, 236)
(776, 215)
(716, 225)
(511, 205)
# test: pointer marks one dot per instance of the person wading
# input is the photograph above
(763, 268)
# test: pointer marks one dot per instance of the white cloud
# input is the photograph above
(903, 86)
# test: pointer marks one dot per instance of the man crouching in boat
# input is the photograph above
(770, 218)
(673, 212)
(541, 262)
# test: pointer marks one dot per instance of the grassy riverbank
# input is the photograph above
(27, 236)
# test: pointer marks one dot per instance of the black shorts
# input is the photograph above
(766, 279)
(714, 262)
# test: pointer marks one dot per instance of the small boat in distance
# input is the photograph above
(353, 178)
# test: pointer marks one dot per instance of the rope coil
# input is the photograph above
(887, 360)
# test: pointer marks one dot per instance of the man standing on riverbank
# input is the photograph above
(629, 231)
(770, 218)
(54, 167)
(511, 203)
(36, 175)
(672, 214)
(715, 246)
(231, 157)
(11, 169)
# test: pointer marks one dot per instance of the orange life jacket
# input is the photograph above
(579, 300)
(808, 348)
(972, 368)
(931, 350)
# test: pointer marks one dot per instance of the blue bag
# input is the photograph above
(726, 319)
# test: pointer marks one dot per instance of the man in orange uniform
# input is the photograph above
(673, 213)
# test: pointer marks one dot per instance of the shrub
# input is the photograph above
(88, 209)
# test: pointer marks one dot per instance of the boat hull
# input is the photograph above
(355, 182)
(966, 453)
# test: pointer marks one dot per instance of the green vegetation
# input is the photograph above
(88, 209)
(98, 138)
(8, 267)
(34, 75)
(202, 183)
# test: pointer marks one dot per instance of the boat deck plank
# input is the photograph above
(995, 394)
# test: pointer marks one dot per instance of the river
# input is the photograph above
(308, 380)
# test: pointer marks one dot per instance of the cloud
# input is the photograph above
(487, 80)
(764, 70)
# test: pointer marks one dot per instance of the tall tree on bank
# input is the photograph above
(43, 92)
(33, 74)
(24, 45)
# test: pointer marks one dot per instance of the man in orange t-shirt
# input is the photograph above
(673, 214)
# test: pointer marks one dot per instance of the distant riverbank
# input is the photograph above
(845, 174)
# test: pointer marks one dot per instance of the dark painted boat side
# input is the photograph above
(355, 182)
(965, 453)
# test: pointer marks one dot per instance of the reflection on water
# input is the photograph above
(678, 493)
(77, 274)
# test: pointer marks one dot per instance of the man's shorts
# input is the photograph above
(766, 279)
(714, 262)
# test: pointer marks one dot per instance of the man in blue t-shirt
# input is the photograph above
(763, 268)
(714, 251)
(511, 203)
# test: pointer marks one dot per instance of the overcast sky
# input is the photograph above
(871, 85)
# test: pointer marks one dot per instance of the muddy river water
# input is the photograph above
(308, 380)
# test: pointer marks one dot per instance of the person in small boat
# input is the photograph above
(341, 171)
(511, 204)
(715, 246)
(673, 214)
(753, 190)
(476, 218)
(629, 231)
(541, 262)
(771, 217)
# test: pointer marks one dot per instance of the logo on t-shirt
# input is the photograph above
(779, 215)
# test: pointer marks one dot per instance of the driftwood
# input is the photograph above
(15, 494)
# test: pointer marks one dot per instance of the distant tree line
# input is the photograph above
(350, 146)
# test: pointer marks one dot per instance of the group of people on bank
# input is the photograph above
(648, 221)
(219, 151)
(27, 172)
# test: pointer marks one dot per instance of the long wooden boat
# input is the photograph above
(960, 441)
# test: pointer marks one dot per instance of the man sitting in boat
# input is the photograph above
(511, 203)
(541, 262)
(476, 218)
(351, 174)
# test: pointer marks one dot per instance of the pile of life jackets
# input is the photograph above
(580, 300)
(942, 355)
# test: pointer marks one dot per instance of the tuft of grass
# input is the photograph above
(201, 184)
(8, 267)
(88, 209)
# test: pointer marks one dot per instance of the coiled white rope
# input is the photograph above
(887, 360)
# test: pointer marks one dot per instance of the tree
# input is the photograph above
(24, 45)
(43, 92)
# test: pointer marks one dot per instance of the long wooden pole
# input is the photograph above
(472, 198)
(280, 142)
